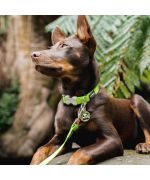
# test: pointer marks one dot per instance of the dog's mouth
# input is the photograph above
(55, 71)
(47, 67)
(57, 68)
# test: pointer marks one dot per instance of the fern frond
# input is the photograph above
(123, 49)
(144, 61)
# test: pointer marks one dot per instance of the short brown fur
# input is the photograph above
(114, 124)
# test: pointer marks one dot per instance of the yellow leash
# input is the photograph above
(73, 128)
(84, 116)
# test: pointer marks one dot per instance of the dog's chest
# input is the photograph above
(65, 116)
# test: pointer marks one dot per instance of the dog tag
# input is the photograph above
(83, 114)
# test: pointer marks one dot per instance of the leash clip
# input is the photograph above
(83, 114)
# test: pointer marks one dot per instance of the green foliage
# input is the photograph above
(8, 105)
(123, 49)
(3, 24)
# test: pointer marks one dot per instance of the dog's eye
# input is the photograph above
(64, 45)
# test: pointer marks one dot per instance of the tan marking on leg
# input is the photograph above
(135, 110)
(79, 158)
(42, 153)
(147, 136)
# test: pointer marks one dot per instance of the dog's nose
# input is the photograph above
(35, 54)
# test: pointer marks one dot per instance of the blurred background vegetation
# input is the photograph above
(28, 99)
(9, 99)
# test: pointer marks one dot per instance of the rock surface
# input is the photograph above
(130, 158)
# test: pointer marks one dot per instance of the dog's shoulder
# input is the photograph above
(100, 99)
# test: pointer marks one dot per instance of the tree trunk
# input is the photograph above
(33, 119)
(3, 80)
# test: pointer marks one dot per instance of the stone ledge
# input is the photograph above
(130, 158)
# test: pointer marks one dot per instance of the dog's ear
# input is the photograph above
(85, 35)
(57, 35)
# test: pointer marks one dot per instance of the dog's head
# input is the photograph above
(68, 55)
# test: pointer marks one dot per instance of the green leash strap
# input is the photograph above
(73, 128)
(83, 115)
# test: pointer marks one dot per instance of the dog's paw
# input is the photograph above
(41, 154)
(143, 148)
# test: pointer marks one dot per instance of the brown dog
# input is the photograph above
(114, 123)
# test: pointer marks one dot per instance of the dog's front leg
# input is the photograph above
(46, 150)
(100, 151)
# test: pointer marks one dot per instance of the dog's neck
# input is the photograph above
(86, 81)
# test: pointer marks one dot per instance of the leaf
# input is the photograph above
(8, 104)
(123, 49)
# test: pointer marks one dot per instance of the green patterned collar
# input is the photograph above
(77, 100)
